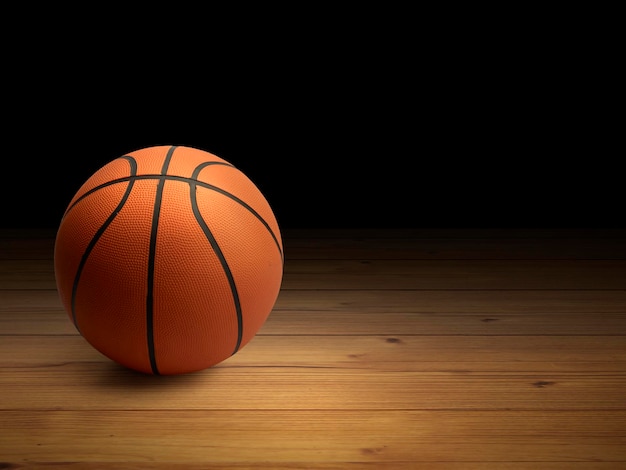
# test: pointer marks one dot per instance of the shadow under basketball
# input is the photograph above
(117, 377)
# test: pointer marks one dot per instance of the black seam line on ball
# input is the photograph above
(96, 237)
(194, 177)
(218, 251)
(151, 256)
(192, 181)
(133, 176)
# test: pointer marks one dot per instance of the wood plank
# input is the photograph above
(528, 302)
(27, 274)
(398, 248)
(396, 274)
(461, 373)
(166, 464)
(307, 438)
(32, 300)
(369, 323)
(307, 322)
(455, 274)
(454, 355)
(290, 465)
(39, 312)
(101, 385)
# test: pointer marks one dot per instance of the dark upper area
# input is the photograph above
(505, 125)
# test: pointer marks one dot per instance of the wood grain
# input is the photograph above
(314, 436)
(390, 349)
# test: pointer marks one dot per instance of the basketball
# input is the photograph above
(168, 260)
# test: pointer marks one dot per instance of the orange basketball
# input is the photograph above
(168, 260)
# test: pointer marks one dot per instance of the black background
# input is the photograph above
(342, 119)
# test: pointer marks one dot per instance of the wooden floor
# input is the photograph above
(416, 349)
